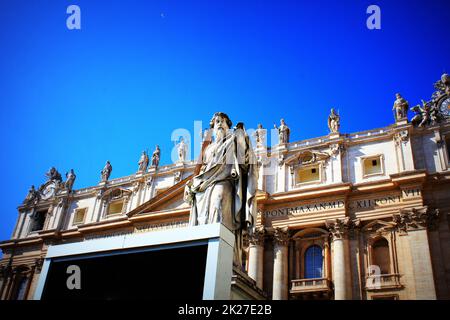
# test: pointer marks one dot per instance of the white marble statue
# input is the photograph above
(224, 186)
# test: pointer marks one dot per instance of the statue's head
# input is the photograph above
(220, 123)
(223, 118)
(260, 126)
(332, 112)
(445, 78)
(398, 95)
(282, 121)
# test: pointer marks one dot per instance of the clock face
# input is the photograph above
(48, 192)
(445, 107)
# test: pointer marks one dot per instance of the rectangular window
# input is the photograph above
(308, 174)
(79, 216)
(115, 207)
(372, 166)
(38, 220)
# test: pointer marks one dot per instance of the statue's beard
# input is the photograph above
(220, 133)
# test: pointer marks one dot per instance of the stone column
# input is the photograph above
(280, 265)
(256, 258)
(338, 229)
(414, 223)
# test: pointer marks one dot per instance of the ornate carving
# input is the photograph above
(354, 228)
(257, 236)
(32, 197)
(336, 148)
(442, 86)
(401, 137)
(307, 157)
(53, 175)
(338, 227)
(280, 160)
(38, 264)
(177, 176)
(412, 219)
(115, 194)
(281, 236)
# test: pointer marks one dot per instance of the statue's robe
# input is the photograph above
(224, 190)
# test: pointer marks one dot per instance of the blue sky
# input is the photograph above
(137, 70)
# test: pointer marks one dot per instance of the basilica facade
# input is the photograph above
(361, 215)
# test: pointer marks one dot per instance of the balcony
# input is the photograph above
(301, 286)
(383, 282)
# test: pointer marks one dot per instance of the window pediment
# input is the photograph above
(306, 157)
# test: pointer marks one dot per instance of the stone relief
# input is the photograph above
(401, 137)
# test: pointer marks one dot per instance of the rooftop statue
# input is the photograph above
(283, 132)
(181, 148)
(53, 175)
(224, 184)
(70, 176)
(156, 156)
(334, 121)
(400, 107)
(427, 114)
(143, 162)
(32, 196)
(106, 172)
(260, 136)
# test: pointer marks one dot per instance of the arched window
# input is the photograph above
(313, 262)
(380, 255)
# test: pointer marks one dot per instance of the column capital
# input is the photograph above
(338, 227)
(256, 237)
(412, 219)
(281, 236)
(38, 264)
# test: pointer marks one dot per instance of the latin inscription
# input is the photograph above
(340, 204)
